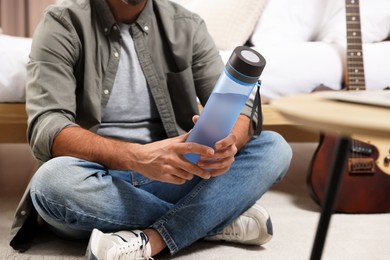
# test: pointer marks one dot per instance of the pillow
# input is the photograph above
(298, 68)
(230, 22)
(376, 65)
(14, 53)
(288, 21)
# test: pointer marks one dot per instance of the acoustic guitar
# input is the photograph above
(365, 186)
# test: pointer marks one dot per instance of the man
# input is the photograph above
(113, 87)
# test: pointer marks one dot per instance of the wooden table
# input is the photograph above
(314, 111)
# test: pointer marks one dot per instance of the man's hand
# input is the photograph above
(164, 161)
(225, 150)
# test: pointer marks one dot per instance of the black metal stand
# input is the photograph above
(331, 193)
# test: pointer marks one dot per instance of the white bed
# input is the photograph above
(14, 53)
(18, 19)
(13, 120)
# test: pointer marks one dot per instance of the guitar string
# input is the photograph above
(355, 66)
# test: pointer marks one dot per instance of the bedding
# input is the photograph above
(230, 22)
(304, 43)
(298, 68)
(14, 53)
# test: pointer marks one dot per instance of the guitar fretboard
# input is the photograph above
(355, 66)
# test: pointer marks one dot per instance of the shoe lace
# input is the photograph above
(230, 232)
(127, 250)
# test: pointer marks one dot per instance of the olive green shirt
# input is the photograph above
(73, 62)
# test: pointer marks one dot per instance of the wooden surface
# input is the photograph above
(319, 113)
(290, 130)
(13, 123)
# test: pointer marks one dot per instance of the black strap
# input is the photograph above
(256, 105)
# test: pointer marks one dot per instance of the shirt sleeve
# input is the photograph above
(51, 84)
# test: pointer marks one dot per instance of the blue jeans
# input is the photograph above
(74, 196)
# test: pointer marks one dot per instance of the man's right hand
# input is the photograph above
(164, 160)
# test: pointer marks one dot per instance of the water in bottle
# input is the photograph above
(228, 98)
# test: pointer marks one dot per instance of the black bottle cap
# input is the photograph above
(247, 61)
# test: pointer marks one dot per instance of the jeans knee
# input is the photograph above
(275, 145)
(274, 151)
(281, 147)
(48, 168)
(283, 153)
(52, 176)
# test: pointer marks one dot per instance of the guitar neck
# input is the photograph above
(355, 66)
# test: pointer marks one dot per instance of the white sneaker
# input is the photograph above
(253, 227)
(127, 245)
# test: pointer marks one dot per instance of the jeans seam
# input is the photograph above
(77, 212)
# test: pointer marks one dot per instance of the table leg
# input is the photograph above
(331, 193)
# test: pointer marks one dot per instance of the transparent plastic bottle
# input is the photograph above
(228, 98)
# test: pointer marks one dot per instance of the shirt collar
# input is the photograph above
(145, 18)
(106, 18)
(108, 21)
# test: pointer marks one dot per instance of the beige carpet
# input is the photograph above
(294, 216)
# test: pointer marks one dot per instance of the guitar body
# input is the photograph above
(364, 187)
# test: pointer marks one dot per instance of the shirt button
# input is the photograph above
(115, 27)
(23, 213)
(146, 28)
(105, 29)
(106, 92)
(116, 54)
